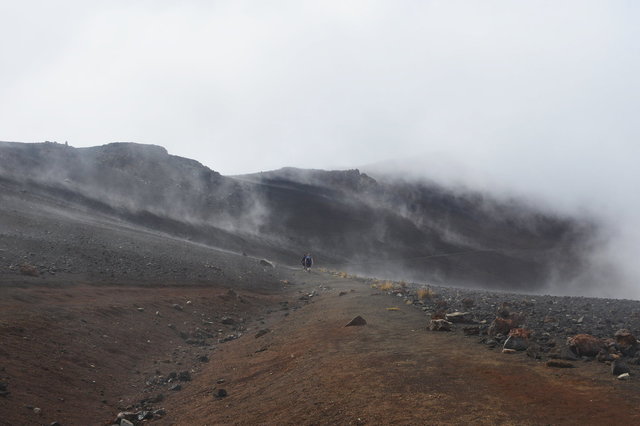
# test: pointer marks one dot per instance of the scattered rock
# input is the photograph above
(262, 332)
(500, 326)
(516, 343)
(357, 321)
(125, 422)
(565, 353)
(175, 387)
(265, 262)
(627, 343)
(458, 317)
(508, 351)
(585, 344)
(534, 351)
(144, 415)
(228, 321)
(559, 364)
(177, 307)
(471, 331)
(624, 376)
(184, 376)
(229, 338)
(440, 325)
(468, 302)
(618, 367)
(29, 270)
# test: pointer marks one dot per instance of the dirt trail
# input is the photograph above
(310, 369)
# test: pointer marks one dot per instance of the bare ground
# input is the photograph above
(83, 353)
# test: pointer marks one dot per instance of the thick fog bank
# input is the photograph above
(593, 186)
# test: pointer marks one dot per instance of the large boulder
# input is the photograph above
(626, 342)
(618, 367)
(518, 339)
(585, 344)
(500, 326)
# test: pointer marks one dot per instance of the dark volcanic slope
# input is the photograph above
(347, 219)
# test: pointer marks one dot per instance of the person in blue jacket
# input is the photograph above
(307, 261)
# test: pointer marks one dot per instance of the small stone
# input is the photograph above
(357, 321)
(125, 422)
(559, 364)
(508, 351)
(228, 321)
(177, 307)
(220, 381)
(262, 332)
(221, 393)
(143, 415)
(458, 317)
(624, 376)
(265, 262)
(184, 376)
(175, 387)
(37, 410)
(140, 309)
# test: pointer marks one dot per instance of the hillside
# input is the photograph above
(348, 220)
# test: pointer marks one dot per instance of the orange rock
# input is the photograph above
(585, 344)
(523, 333)
(500, 326)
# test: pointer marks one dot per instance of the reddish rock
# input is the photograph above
(500, 326)
(438, 315)
(585, 344)
(522, 333)
(625, 340)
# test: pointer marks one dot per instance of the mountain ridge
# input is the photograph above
(348, 219)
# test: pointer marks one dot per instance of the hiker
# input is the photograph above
(307, 261)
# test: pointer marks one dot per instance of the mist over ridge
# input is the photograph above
(400, 229)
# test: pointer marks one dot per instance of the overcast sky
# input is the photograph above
(538, 96)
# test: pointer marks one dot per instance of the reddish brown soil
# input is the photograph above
(83, 353)
(309, 369)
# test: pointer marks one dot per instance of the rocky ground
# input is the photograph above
(576, 329)
(79, 354)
